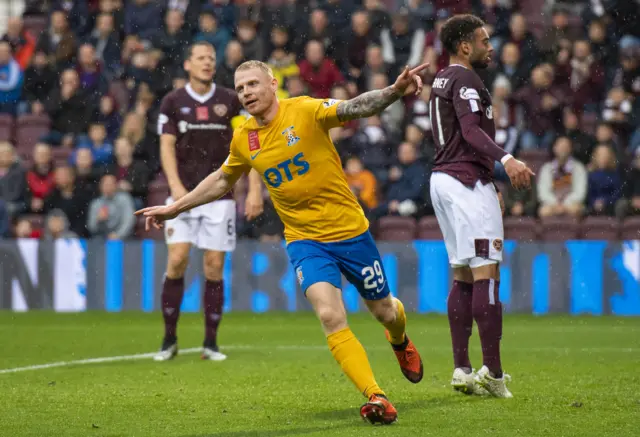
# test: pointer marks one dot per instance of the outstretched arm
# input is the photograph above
(374, 102)
(211, 188)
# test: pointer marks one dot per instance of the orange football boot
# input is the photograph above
(408, 358)
(379, 410)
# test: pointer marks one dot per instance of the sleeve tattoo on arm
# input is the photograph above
(367, 104)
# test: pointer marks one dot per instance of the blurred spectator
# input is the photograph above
(393, 115)
(290, 14)
(116, 9)
(520, 203)
(24, 229)
(284, 67)
(379, 18)
(39, 81)
(559, 30)
(605, 186)
(22, 42)
(106, 41)
(402, 45)
(4, 219)
(562, 183)
(495, 15)
(338, 13)
(252, 46)
(627, 75)
(87, 175)
(13, 183)
(110, 116)
(419, 111)
(583, 143)
(11, 79)
(318, 30)
(92, 79)
(40, 179)
(226, 12)
(617, 111)
(319, 72)
(133, 176)
(434, 52)
(97, 142)
(542, 104)
(371, 144)
(354, 49)
(57, 226)
(58, 41)
(69, 109)
(211, 32)
(521, 37)
(190, 11)
(69, 198)
(10, 9)
(296, 87)
(512, 66)
(406, 194)
(145, 145)
(77, 13)
(630, 203)
(584, 77)
(374, 64)
(362, 182)
(279, 38)
(111, 214)
(142, 18)
(233, 56)
(606, 135)
(601, 46)
(172, 39)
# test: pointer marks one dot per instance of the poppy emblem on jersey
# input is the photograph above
(202, 113)
(299, 274)
(169, 232)
(254, 143)
(220, 110)
(497, 244)
(291, 136)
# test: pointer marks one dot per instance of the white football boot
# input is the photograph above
(212, 354)
(497, 387)
(466, 383)
(168, 352)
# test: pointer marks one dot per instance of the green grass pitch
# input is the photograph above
(571, 377)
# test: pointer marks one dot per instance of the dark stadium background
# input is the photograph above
(563, 73)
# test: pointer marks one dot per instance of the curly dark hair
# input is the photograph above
(457, 29)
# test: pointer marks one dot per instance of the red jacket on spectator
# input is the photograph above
(23, 48)
(40, 185)
(320, 80)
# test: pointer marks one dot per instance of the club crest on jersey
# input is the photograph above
(330, 102)
(220, 110)
(299, 274)
(469, 93)
(291, 136)
(202, 113)
(497, 244)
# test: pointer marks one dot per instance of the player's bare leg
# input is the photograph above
(487, 312)
(213, 301)
(459, 311)
(390, 312)
(172, 293)
(348, 352)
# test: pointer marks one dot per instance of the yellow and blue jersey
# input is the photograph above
(301, 169)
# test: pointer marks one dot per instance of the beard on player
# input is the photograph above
(480, 58)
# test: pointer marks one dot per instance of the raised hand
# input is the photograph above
(409, 80)
(156, 216)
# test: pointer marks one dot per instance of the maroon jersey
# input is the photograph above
(202, 127)
(456, 92)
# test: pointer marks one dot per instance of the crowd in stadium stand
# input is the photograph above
(81, 82)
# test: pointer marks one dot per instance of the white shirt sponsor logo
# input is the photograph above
(469, 93)
(183, 126)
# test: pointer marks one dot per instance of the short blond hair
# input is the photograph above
(248, 65)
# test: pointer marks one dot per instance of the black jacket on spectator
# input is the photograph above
(69, 116)
(13, 189)
(583, 145)
(38, 83)
(75, 207)
(410, 185)
(109, 51)
(144, 20)
(173, 46)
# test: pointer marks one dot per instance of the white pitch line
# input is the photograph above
(290, 347)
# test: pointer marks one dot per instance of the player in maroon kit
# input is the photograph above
(466, 201)
(195, 132)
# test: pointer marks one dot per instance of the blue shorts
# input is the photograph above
(357, 259)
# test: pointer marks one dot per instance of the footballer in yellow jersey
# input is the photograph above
(287, 142)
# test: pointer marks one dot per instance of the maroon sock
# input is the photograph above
(172, 292)
(487, 312)
(460, 321)
(213, 301)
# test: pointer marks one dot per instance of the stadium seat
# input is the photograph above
(559, 229)
(6, 127)
(523, 229)
(534, 158)
(396, 228)
(29, 129)
(600, 228)
(35, 24)
(428, 228)
(630, 229)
